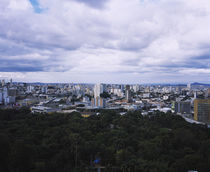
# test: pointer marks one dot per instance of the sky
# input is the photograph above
(109, 41)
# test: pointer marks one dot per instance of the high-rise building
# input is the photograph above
(97, 101)
(135, 88)
(122, 87)
(202, 110)
(3, 83)
(189, 86)
(8, 95)
(195, 94)
(178, 89)
(11, 82)
(147, 90)
(117, 92)
(207, 94)
(183, 107)
(127, 93)
(1, 97)
(98, 89)
(30, 88)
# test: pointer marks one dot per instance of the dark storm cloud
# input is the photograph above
(20, 66)
(202, 57)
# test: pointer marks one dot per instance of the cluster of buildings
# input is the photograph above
(7, 93)
(192, 101)
(98, 100)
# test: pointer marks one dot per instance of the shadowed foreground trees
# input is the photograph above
(69, 142)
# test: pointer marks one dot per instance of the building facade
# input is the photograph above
(183, 107)
(128, 93)
(98, 102)
(202, 110)
(98, 89)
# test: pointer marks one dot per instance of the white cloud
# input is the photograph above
(119, 38)
(19, 5)
(194, 71)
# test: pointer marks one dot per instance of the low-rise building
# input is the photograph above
(41, 109)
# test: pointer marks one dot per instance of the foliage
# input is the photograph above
(69, 142)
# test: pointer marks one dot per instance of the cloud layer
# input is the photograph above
(119, 41)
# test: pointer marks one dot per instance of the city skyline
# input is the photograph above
(107, 41)
(8, 80)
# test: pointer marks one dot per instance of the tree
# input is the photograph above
(4, 152)
(21, 157)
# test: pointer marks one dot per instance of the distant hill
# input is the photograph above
(202, 84)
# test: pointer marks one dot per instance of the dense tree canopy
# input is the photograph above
(69, 142)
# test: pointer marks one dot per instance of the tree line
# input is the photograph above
(128, 143)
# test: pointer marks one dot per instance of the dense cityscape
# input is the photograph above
(54, 127)
(104, 85)
(192, 101)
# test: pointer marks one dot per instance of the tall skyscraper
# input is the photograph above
(189, 86)
(97, 101)
(122, 87)
(11, 82)
(202, 110)
(98, 89)
(127, 93)
(195, 94)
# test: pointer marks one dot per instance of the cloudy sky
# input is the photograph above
(110, 41)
